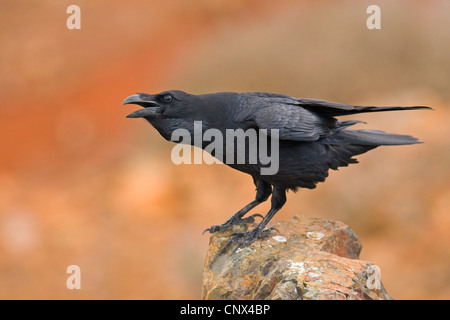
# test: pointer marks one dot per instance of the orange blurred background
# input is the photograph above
(81, 184)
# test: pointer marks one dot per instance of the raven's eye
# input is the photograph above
(167, 98)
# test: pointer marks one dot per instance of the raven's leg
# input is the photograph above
(263, 191)
(278, 200)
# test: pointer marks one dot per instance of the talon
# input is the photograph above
(249, 219)
(247, 238)
(221, 227)
(238, 234)
(272, 228)
(232, 222)
(266, 233)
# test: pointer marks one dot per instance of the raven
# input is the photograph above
(310, 139)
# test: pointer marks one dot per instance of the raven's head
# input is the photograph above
(173, 103)
(166, 111)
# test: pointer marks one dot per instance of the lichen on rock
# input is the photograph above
(305, 258)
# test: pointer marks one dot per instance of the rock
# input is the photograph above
(305, 258)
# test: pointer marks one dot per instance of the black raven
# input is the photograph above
(310, 139)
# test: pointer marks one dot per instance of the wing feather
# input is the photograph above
(294, 123)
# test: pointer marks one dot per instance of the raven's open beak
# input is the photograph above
(151, 108)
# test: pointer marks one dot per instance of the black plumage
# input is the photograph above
(311, 140)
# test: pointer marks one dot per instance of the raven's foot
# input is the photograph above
(247, 238)
(232, 222)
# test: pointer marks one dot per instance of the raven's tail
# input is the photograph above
(345, 144)
(339, 149)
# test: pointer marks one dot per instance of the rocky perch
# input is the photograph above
(305, 258)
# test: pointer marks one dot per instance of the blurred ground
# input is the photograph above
(80, 184)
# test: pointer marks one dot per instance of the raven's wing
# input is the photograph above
(333, 109)
(293, 122)
(327, 108)
(302, 119)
